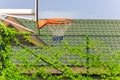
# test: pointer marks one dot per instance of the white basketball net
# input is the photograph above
(58, 29)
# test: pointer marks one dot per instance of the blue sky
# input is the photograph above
(79, 9)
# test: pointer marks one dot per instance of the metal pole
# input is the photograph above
(36, 15)
(88, 52)
(35, 9)
(2, 47)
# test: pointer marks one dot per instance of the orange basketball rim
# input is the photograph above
(54, 21)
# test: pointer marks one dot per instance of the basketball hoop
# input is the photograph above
(59, 21)
(57, 27)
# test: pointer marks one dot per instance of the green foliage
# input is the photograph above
(91, 60)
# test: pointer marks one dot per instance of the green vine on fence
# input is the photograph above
(21, 62)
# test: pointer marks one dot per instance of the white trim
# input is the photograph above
(16, 16)
(18, 11)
